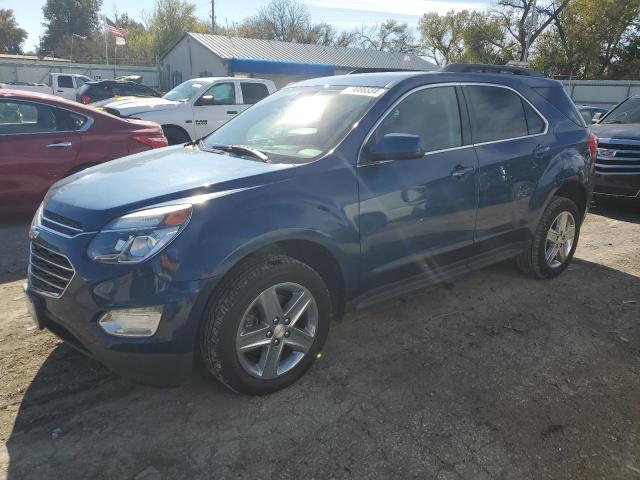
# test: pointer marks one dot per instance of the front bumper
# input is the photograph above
(163, 359)
(617, 185)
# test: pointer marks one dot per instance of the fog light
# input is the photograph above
(131, 322)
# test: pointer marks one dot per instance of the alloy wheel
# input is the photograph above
(277, 330)
(560, 239)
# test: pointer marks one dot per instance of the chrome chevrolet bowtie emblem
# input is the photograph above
(606, 153)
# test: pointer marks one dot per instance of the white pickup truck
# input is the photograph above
(197, 107)
(63, 85)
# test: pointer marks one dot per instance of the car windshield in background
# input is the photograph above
(627, 112)
(185, 91)
(297, 124)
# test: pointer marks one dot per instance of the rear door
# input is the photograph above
(215, 107)
(417, 216)
(40, 144)
(252, 92)
(513, 150)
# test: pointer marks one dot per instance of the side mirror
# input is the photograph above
(395, 146)
(205, 100)
(596, 117)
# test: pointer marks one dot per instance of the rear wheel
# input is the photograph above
(175, 135)
(265, 327)
(554, 241)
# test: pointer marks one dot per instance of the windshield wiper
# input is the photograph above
(238, 150)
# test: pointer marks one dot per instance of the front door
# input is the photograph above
(214, 108)
(417, 217)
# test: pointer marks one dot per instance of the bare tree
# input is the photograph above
(521, 17)
(389, 36)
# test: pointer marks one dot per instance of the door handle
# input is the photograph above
(460, 171)
(60, 145)
(60, 91)
(232, 112)
(540, 151)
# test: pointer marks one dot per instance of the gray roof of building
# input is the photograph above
(345, 57)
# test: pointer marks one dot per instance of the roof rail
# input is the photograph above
(488, 68)
(380, 70)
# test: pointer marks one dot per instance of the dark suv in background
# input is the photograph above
(104, 89)
(331, 194)
(618, 162)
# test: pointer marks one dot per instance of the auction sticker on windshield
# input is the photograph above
(366, 91)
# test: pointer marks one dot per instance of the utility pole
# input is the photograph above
(213, 16)
(533, 21)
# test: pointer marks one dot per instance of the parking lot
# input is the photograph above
(492, 376)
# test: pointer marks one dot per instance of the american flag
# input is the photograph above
(117, 31)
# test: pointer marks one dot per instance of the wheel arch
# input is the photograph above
(576, 192)
(176, 127)
(304, 247)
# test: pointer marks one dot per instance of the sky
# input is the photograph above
(342, 14)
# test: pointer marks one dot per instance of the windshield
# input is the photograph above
(627, 112)
(297, 124)
(185, 91)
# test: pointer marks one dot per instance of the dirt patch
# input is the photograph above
(492, 376)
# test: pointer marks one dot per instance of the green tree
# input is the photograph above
(66, 17)
(590, 39)
(11, 36)
(465, 36)
(169, 21)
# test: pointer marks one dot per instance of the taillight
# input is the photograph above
(86, 100)
(593, 146)
(156, 140)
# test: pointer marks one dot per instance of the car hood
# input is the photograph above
(629, 131)
(99, 194)
(128, 107)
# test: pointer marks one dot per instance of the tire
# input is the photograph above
(175, 135)
(236, 318)
(533, 261)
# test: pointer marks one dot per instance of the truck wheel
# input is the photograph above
(266, 324)
(554, 242)
(175, 135)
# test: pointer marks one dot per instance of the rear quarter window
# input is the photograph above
(557, 97)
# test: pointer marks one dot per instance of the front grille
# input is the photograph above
(60, 224)
(49, 271)
(618, 157)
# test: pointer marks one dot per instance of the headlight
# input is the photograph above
(37, 218)
(137, 236)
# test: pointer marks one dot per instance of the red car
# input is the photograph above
(45, 138)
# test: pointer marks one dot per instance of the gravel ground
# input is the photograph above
(494, 376)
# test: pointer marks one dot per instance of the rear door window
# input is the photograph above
(253, 92)
(496, 113)
(430, 113)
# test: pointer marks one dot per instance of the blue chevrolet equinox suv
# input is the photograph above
(332, 194)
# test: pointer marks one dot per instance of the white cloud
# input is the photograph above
(405, 7)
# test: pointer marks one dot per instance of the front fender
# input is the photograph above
(315, 205)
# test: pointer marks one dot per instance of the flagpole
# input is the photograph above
(106, 48)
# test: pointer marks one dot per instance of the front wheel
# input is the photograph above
(266, 324)
(554, 241)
